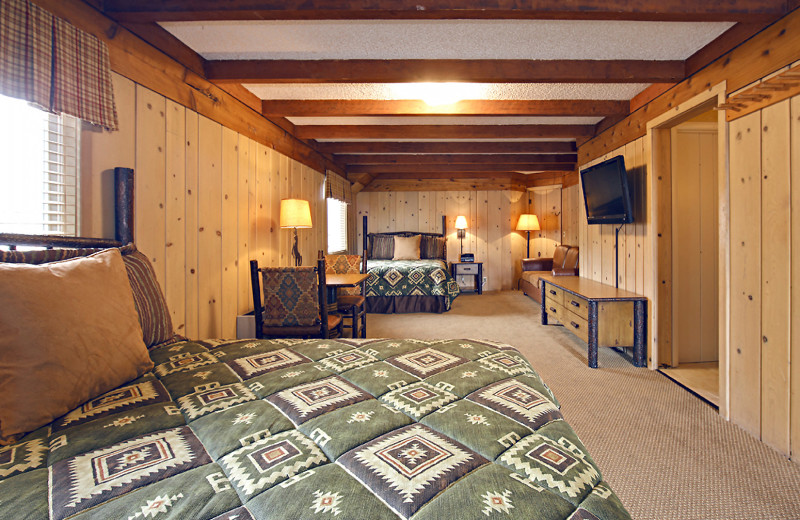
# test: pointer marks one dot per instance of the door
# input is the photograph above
(694, 243)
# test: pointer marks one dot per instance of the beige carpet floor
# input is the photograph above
(666, 453)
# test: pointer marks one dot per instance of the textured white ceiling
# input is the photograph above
(445, 120)
(446, 39)
(498, 91)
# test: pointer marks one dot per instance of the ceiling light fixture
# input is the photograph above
(436, 94)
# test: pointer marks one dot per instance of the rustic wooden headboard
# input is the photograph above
(366, 235)
(123, 223)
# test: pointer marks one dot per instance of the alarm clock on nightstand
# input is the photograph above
(468, 257)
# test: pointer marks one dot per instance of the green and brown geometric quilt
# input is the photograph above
(411, 278)
(291, 429)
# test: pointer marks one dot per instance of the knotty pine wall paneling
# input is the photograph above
(776, 279)
(207, 201)
(794, 354)
(190, 324)
(745, 359)
(570, 214)
(175, 211)
(546, 205)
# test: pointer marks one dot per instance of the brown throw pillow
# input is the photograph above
(68, 333)
(406, 248)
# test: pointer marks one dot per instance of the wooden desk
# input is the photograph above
(597, 313)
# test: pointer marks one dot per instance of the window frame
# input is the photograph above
(337, 225)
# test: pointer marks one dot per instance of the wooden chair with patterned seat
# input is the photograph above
(295, 302)
(350, 301)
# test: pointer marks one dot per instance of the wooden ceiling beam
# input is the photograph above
(357, 147)
(455, 168)
(442, 131)
(654, 10)
(723, 43)
(458, 159)
(369, 107)
(477, 71)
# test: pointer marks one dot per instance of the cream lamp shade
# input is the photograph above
(527, 222)
(295, 213)
(461, 222)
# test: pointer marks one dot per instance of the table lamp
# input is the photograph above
(295, 213)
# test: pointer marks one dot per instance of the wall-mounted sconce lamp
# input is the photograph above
(295, 213)
(461, 227)
(528, 222)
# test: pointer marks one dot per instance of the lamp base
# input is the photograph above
(298, 260)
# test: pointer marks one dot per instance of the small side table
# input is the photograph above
(474, 269)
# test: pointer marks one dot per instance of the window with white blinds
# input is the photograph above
(337, 226)
(39, 170)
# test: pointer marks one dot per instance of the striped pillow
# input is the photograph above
(382, 247)
(149, 300)
(150, 304)
(431, 247)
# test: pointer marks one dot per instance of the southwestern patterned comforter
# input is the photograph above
(411, 279)
(289, 429)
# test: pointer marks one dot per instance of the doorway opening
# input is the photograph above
(695, 316)
(689, 211)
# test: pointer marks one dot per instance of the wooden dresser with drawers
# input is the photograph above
(599, 314)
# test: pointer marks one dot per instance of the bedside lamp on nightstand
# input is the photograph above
(528, 222)
(461, 226)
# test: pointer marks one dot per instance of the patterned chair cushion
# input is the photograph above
(344, 264)
(151, 306)
(291, 297)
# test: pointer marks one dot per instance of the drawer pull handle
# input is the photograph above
(553, 292)
(574, 324)
(574, 303)
(552, 309)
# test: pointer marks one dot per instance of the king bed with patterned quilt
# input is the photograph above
(408, 271)
(106, 414)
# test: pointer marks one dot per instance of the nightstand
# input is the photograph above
(474, 269)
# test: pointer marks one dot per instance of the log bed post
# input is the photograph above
(123, 204)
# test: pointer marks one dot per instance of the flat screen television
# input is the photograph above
(606, 193)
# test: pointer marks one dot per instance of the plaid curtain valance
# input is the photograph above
(53, 64)
(337, 187)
